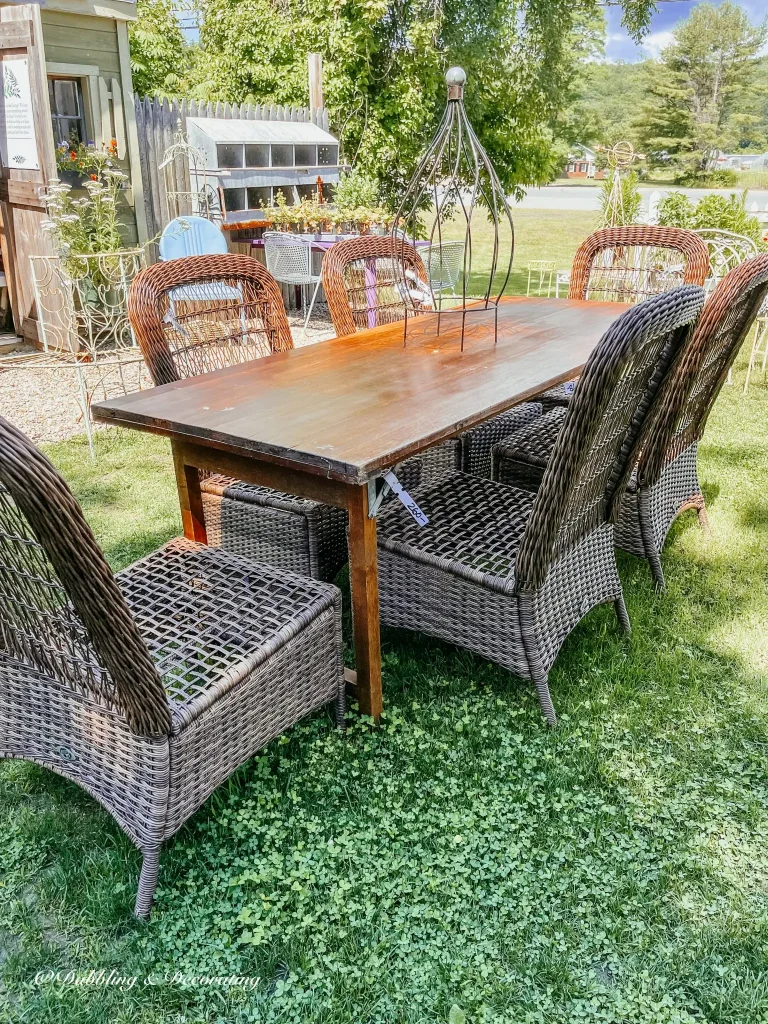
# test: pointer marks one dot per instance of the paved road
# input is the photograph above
(582, 197)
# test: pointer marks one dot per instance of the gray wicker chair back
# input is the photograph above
(604, 428)
(61, 611)
(729, 313)
(205, 313)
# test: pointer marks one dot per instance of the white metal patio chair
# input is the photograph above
(443, 262)
(289, 261)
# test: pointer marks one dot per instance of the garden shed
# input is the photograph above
(252, 161)
(71, 61)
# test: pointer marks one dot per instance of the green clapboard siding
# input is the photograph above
(83, 39)
(79, 39)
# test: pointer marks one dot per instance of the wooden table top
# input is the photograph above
(350, 407)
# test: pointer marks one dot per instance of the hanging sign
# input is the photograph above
(18, 146)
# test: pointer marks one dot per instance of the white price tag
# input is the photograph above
(405, 499)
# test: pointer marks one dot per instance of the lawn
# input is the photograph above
(462, 862)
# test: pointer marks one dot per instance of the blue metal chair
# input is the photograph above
(191, 236)
(194, 236)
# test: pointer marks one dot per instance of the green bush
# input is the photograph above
(723, 178)
(727, 213)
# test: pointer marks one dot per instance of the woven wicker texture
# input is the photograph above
(149, 688)
(364, 284)
(665, 481)
(508, 572)
(629, 264)
(60, 608)
(204, 313)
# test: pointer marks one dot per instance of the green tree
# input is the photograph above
(159, 55)
(700, 93)
(384, 62)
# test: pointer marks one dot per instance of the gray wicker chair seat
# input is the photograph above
(150, 688)
(508, 572)
(459, 582)
(522, 458)
(203, 313)
(270, 526)
(477, 444)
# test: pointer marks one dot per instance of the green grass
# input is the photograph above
(462, 856)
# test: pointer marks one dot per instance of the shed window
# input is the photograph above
(306, 156)
(259, 196)
(66, 99)
(282, 156)
(257, 155)
(234, 199)
(327, 156)
(229, 155)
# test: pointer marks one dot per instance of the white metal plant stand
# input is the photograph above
(83, 321)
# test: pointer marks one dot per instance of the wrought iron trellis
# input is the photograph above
(455, 182)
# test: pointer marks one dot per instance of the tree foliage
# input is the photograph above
(701, 94)
(383, 67)
(159, 56)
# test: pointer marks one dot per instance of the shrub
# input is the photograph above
(727, 213)
(725, 177)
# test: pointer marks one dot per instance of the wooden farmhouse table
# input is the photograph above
(326, 421)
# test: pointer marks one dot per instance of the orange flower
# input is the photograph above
(94, 178)
(73, 155)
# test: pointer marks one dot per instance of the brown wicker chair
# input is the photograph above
(665, 480)
(509, 573)
(148, 688)
(203, 313)
(363, 288)
(629, 264)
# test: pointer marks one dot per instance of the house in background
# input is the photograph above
(78, 64)
(582, 163)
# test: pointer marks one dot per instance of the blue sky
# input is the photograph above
(620, 47)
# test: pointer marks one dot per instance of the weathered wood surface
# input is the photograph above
(350, 407)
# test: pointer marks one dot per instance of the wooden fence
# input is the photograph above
(157, 121)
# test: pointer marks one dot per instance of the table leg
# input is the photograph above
(363, 574)
(190, 498)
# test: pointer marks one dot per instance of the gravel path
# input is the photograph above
(45, 402)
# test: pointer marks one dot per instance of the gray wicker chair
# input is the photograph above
(150, 687)
(665, 481)
(203, 313)
(509, 573)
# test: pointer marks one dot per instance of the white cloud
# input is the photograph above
(654, 43)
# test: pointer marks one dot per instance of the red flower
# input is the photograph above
(94, 178)
(73, 155)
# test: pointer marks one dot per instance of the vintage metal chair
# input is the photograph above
(363, 286)
(200, 314)
(665, 481)
(191, 236)
(509, 573)
(444, 263)
(289, 261)
(629, 264)
(148, 688)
